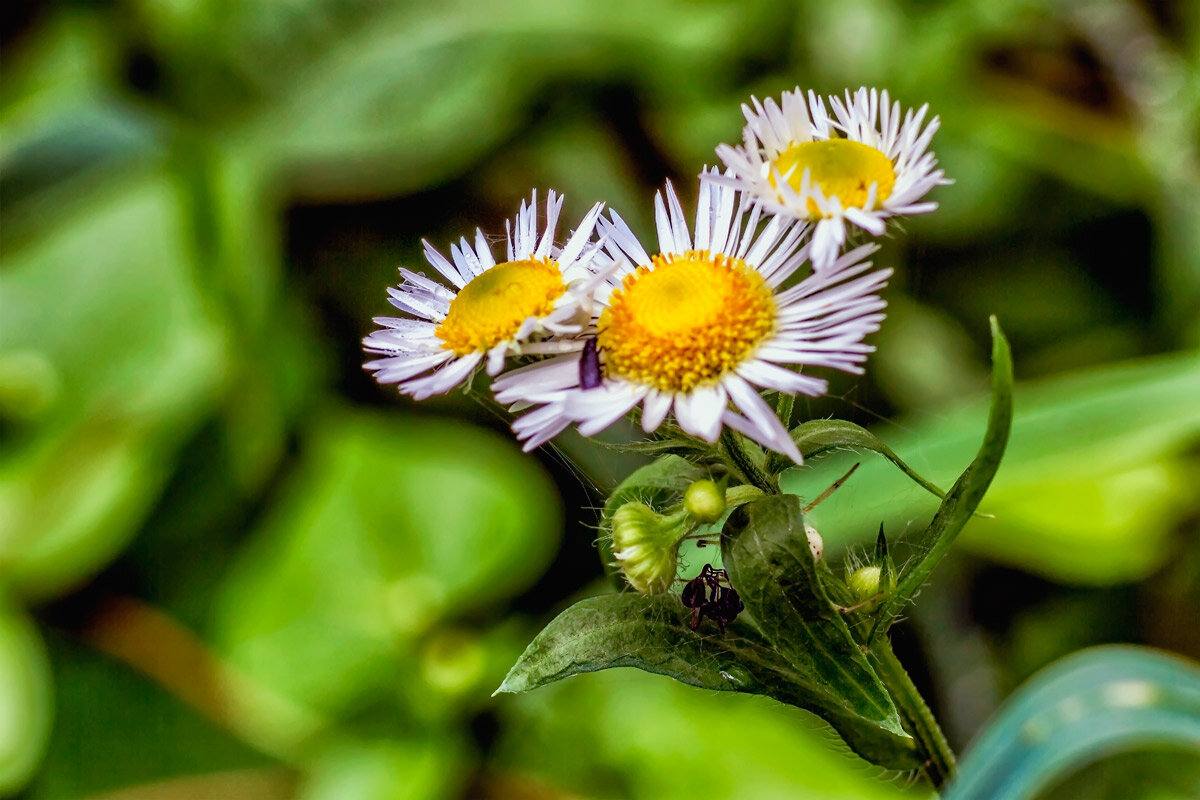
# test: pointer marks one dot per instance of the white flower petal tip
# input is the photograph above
(700, 329)
(490, 310)
(866, 162)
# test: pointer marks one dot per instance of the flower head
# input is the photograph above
(701, 326)
(863, 165)
(493, 310)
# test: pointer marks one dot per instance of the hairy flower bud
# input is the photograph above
(645, 544)
(705, 501)
(866, 584)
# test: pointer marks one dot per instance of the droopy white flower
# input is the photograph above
(703, 325)
(863, 165)
(493, 309)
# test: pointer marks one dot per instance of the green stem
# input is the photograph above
(918, 719)
(745, 465)
(784, 406)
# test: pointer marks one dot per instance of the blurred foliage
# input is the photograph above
(258, 575)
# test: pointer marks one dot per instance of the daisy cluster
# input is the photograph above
(753, 294)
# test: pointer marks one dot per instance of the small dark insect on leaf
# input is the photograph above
(706, 597)
(589, 366)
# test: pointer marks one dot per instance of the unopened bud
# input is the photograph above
(645, 544)
(866, 585)
(864, 582)
(705, 501)
(815, 542)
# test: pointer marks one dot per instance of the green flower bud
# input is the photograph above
(705, 501)
(865, 585)
(645, 544)
(864, 582)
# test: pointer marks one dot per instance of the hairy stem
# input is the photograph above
(744, 465)
(918, 719)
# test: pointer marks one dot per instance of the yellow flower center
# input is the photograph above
(685, 320)
(491, 308)
(841, 168)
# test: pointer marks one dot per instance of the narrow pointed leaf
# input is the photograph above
(652, 634)
(964, 497)
(765, 548)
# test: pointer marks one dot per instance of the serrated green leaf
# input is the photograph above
(820, 436)
(652, 634)
(968, 491)
(765, 548)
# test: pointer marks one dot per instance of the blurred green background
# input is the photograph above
(233, 567)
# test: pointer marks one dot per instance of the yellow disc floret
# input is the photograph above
(840, 168)
(491, 308)
(685, 320)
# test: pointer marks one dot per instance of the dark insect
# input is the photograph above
(707, 596)
(589, 366)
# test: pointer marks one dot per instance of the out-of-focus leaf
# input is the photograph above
(765, 548)
(26, 702)
(1163, 773)
(107, 298)
(116, 729)
(966, 494)
(427, 769)
(1089, 705)
(386, 525)
(388, 99)
(623, 733)
(1089, 487)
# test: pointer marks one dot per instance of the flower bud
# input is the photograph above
(866, 583)
(705, 501)
(815, 542)
(645, 544)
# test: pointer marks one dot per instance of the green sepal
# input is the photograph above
(765, 549)
(652, 634)
(883, 559)
(964, 497)
(819, 436)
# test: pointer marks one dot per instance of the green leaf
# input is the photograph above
(1090, 705)
(652, 634)
(766, 550)
(132, 365)
(820, 436)
(385, 526)
(966, 494)
(1093, 481)
(629, 734)
(26, 702)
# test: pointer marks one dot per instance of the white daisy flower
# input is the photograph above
(492, 310)
(700, 328)
(862, 165)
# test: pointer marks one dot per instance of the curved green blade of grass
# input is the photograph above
(1090, 705)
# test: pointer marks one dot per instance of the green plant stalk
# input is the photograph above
(744, 465)
(940, 763)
